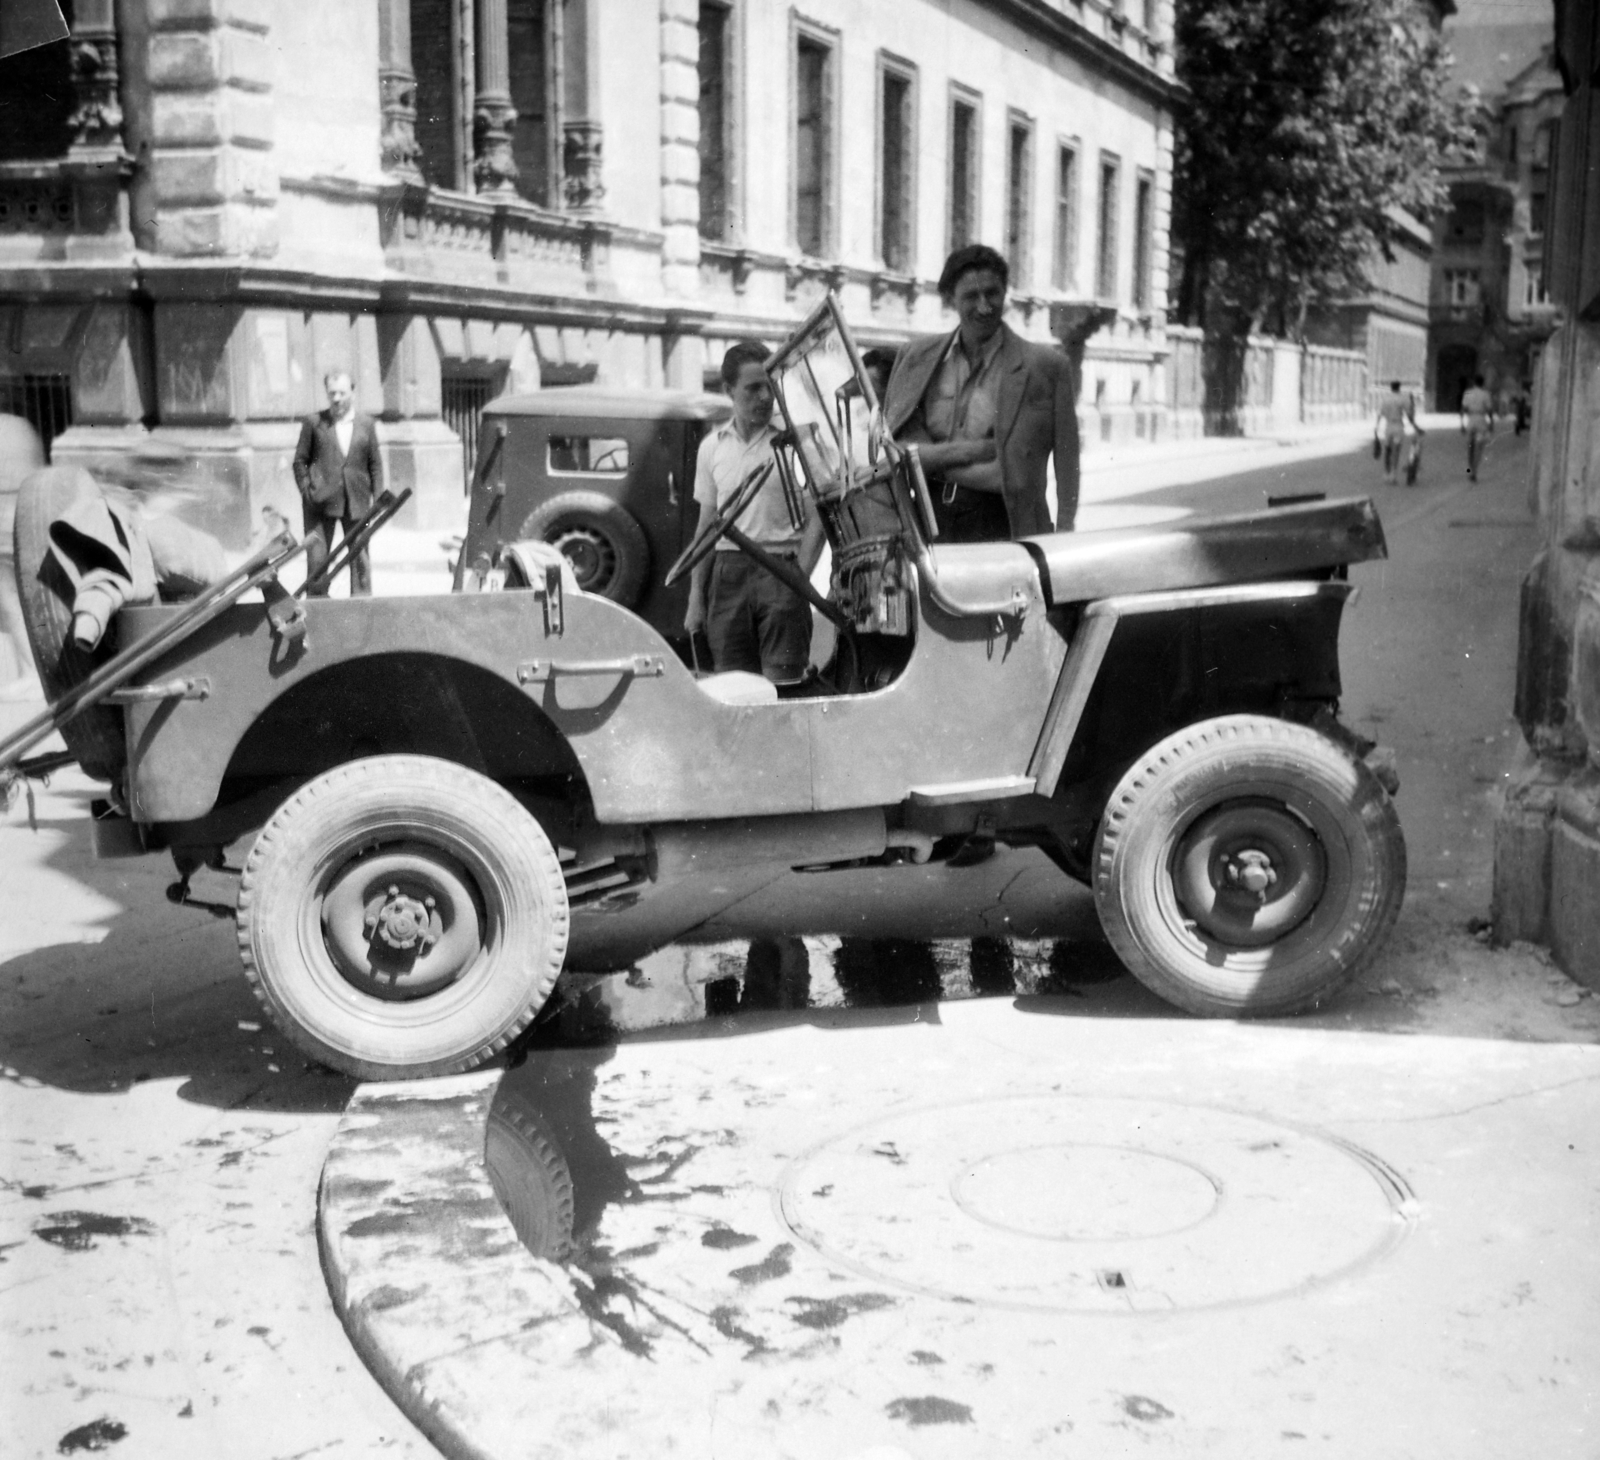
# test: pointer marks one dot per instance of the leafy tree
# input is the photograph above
(1312, 122)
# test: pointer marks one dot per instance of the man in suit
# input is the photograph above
(988, 411)
(337, 469)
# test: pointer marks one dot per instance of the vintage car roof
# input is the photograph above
(614, 402)
(1200, 552)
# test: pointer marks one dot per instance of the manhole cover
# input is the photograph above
(1093, 1204)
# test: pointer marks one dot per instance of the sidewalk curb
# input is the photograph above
(412, 1236)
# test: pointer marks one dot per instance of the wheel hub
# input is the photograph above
(401, 921)
(1248, 872)
(592, 557)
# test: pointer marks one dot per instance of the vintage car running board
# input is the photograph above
(1088, 651)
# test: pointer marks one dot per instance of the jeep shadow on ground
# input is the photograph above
(146, 989)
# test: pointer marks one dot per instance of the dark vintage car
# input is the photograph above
(449, 799)
(606, 476)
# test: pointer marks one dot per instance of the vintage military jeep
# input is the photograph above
(606, 476)
(454, 797)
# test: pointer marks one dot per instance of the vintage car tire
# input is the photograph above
(600, 538)
(1232, 799)
(531, 1178)
(45, 595)
(356, 853)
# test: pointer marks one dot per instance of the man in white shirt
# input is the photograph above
(753, 620)
(1477, 421)
(338, 471)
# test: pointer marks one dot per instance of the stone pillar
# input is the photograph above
(583, 183)
(680, 146)
(397, 91)
(1547, 841)
(97, 164)
(213, 183)
(494, 170)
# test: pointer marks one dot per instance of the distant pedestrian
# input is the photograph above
(338, 471)
(1522, 407)
(1477, 424)
(1394, 410)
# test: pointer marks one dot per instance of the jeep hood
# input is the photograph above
(1202, 552)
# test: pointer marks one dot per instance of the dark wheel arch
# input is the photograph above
(601, 539)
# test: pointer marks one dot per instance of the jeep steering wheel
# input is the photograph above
(731, 511)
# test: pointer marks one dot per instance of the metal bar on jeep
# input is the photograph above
(121, 667)
(637, 666)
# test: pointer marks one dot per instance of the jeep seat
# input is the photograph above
(739, 687)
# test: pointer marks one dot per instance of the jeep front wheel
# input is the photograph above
(402, 916)
(1248, 867)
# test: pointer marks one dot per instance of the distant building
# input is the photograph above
(207, 204)
(1489, 309)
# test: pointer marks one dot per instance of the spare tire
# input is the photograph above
(600, 538)
(45, 592)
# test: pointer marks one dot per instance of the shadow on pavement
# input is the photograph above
(146, 990)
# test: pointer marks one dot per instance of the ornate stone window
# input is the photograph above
(496, 97)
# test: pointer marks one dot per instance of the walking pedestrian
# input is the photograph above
(338, 471)
(752, 620)
(1394, 410)
(1477, 424)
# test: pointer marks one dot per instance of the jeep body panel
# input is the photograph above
(651, 746)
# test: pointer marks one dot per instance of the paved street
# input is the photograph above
(160, 1150)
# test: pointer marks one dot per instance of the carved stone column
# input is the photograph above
(494, 170)
(397, 91)
(96, 119)
(581, 133)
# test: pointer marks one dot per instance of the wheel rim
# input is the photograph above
(1248, 872)
(592, 554)
(402, 921)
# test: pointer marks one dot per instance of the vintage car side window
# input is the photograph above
(589, 455)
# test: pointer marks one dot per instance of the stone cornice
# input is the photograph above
(1045, 20)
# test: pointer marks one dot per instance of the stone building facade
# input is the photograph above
(217, 201)
(1547, 840)
(1490, 310)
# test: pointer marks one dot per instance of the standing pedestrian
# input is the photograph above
(988, 411)
(1394, 410)
(752, 619)
(1477, 424)
(338, 472)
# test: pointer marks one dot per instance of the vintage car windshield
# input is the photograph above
(824, 396)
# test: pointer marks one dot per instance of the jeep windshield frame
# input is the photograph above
(832, 415)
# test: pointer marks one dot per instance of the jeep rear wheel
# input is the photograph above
(401, 916)
(1248, 867)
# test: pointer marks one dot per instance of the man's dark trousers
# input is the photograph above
(755, 622)
(336, 486)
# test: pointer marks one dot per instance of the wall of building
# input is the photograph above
(262, 242)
